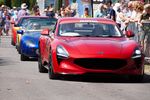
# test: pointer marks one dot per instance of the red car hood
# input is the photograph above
(95, 46)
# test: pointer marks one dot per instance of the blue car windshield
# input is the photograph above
(90, 29)
(39, 24)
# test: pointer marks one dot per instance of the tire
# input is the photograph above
(136, 78)
(12, 42)
(51, 73)
(23, 57)
(19, 51)
(41, 68)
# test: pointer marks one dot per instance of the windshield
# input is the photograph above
(89, 29)
(39, 24)
(28, 24)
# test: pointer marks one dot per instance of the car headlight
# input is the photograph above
(62, 52)
(137, 53)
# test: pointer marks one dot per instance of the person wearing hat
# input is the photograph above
(23, 11)
(14, 15)
(2, 8)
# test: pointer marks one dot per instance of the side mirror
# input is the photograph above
(45, 31)
(129, 33)
(20, 32)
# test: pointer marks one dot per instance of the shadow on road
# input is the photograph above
(5, 62)
(101, 78)
(2, 62)
(31, 60)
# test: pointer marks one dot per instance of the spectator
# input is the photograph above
(132, 21)
(57, 14)
(86, 13)
(110, 11)
(146, 13)
(62, 12)
(2, 10)
(23, 11)
(145, 24)
(50, 11)
(118, 11)
(100, 12)
(69, 12)
(1, 20)
(7, 25)
(36, 10)
(14, 17)
(5, 17)
(1, 25)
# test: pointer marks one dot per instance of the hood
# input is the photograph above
(33, 37)
(95, 46)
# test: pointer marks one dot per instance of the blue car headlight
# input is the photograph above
(137, 53)
(62, 52)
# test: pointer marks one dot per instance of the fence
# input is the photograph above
(146, 41)
(142, 36)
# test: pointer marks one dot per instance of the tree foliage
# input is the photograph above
(1, 2)
(17, 3)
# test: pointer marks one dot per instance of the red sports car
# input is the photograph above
(89, 45)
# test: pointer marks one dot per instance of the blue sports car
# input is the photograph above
(30, 37)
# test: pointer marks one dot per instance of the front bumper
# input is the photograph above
(127, 66)
(30, 51)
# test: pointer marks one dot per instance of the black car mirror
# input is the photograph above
(20, 32)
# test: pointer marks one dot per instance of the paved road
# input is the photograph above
(22, 81)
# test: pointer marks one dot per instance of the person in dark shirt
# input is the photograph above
(111, 14)
(50, 11)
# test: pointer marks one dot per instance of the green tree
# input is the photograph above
(16, 3)
(1, 2)
(7, 3)
(32, 3)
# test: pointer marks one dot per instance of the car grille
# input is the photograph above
(105, 64)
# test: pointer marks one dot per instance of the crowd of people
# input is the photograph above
(8, 16)
(131, 15)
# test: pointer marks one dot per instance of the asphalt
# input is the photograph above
(21, 81)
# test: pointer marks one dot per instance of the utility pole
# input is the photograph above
(92, 8)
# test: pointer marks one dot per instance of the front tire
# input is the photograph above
(136, 78)
(51, 73)
(23, 57)
(41, 68)
(12, 42)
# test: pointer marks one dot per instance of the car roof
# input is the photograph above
(73, 19)
(33, 17)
